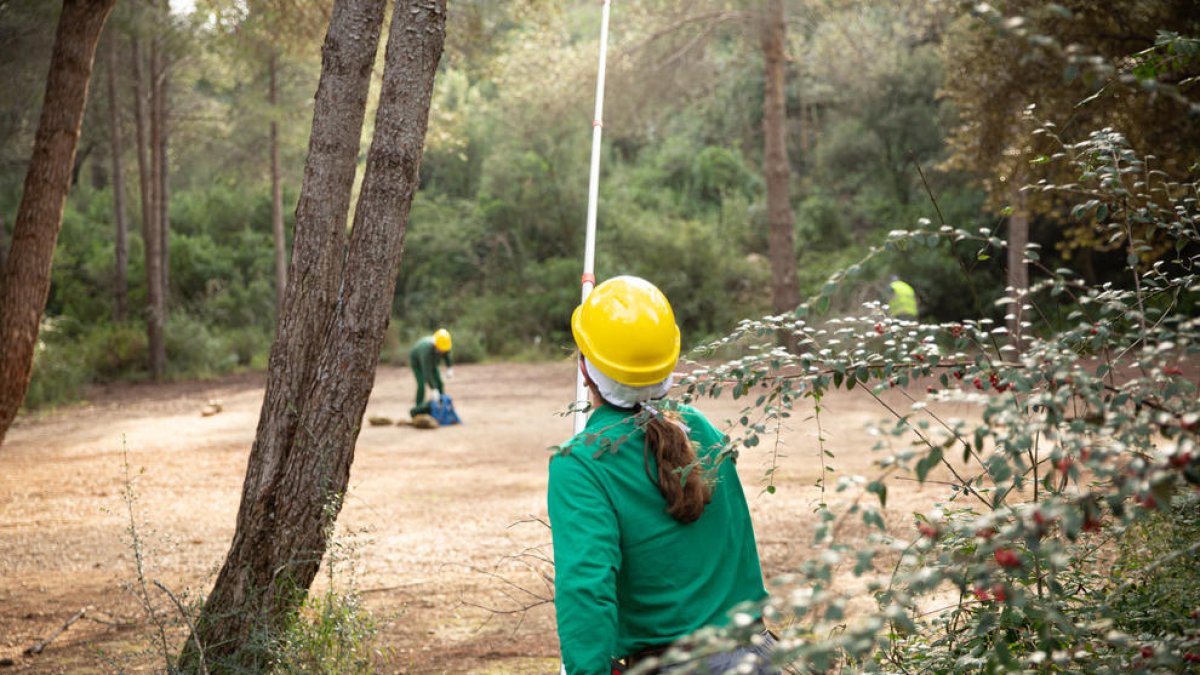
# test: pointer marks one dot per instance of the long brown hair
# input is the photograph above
(681, 478)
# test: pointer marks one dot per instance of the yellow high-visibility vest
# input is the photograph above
(904, 300)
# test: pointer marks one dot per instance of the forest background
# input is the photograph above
(899, 115)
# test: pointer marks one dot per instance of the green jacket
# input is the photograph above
(628, 575)
(423, 359)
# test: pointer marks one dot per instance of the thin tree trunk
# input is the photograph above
(26, 281)
(276, 186)
(121, 264)
(785, 291)
(151, 239)
(299, 463)
(1018, 271)
(162, 113)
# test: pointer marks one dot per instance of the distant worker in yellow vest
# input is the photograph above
(423, 359)
(903, 303)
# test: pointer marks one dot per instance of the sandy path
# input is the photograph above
(425, 513)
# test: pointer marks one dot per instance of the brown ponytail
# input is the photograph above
(681, 478)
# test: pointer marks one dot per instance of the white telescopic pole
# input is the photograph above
(589, 250)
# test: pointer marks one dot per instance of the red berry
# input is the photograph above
(1039, 519)
(879, 328)
(999, 593)
(1191, 657)
(930, 390)
(1007, 558)
(1091, 524)
(927, 530)
(1181, 460)
(956, 331)
(1094, 331)
(981, 593)
(1147, 501)
(958, 374)
(978, 383)
(1147, 651)
(1172, 370)
(919, 357)
(1064, 464)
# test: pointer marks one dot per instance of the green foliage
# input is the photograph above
(59, 372)
(1071, 499)
(332, 633)
(1154, 589)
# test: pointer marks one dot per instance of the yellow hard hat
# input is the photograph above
(441, 340)
(626, 328)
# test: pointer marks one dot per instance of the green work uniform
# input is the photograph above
(423, 359)
(904, 300)
(627, 575)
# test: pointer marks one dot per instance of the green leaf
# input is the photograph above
(878, 488)
(928, 462)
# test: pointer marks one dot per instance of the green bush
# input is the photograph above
(59, 372)
(194, 350)
(332, 633)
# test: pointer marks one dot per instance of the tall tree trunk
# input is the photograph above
(162, 110)
(151, 238)
(1018, 271)
(320, 378)
(26, 281)
(276, 185)
(785, 289)
(117, 147)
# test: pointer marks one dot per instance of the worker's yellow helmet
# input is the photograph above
(627, 330)
(441, 340)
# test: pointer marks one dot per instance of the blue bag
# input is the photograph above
(442, 410)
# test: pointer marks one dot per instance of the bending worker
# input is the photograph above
(652, 535)
(423, 359)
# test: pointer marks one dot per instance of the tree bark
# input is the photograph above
(3, 246)
(26, 281)
(151, 238)
(335, 315)
(276, 185)
(117, 149)
(162, 193)
(1018, 271)
(785, 291)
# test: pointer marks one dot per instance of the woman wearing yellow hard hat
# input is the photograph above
(652, 535)
(423, 359)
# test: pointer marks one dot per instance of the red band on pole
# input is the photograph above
(588, 278)
(597, 123)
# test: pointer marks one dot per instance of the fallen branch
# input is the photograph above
(37, 647)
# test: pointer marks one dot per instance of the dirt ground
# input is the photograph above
(436, 523)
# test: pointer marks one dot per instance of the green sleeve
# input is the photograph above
(437, 375)
(587, 555)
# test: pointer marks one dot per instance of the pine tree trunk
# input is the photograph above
(319, 378)
(151, 238)
(785, 292)
(276, 187)
(121, 264)
(162, 114)
(26, 280)
(1018, 271)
